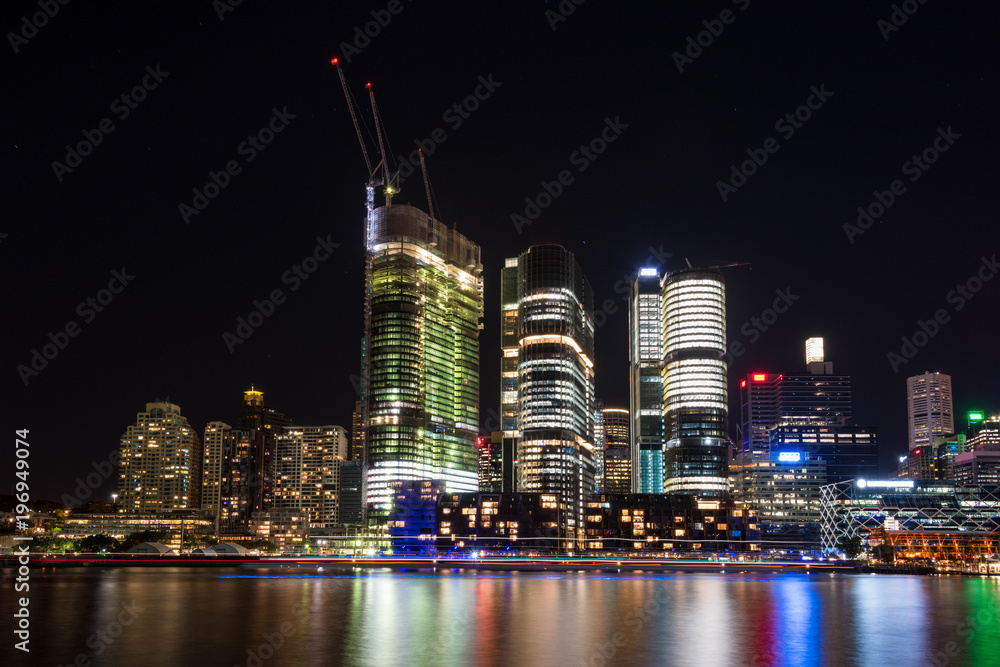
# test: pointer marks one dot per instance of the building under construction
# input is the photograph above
(420, 355)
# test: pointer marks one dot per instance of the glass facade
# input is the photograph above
(555, 377)
(420, 383)
(694, 383)
(645, 383)
(617, 451)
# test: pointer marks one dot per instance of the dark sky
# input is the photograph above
(219, 81)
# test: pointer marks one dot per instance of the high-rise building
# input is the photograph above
(849, 451)
(160, 465)
(420, 358)
(617, 449)
(599, 446)
(977, 468)
(307, 474)
(645, 383)
(784, 489)
(246, 481)
(928, 408)
(770, 400)
(503, 463)
(218, 439)
(984, 432)
(695, 405)
(357, 433)
(350, 493)
(555, 377)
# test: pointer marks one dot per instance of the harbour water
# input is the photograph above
(187, 616)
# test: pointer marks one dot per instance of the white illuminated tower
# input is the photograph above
(929, 408)
(555, 378)
(695, 405)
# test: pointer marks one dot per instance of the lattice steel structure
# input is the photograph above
(857, 507)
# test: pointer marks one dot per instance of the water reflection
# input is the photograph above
(428, 618)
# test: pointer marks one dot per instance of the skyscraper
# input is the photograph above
(645, 383)
(695, 405)
(617, 451)
(555, 376)
(307, 472)
(218, 439)
(928, 408)
(160, 465)
(769, 400)
(246, 481)
(357, 450)
(420, 365)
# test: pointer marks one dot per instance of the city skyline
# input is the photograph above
(291, 219)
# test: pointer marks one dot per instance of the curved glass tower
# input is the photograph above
(420, 362)
(555, 378)
(694, 383)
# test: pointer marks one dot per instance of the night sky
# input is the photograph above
(682, 114)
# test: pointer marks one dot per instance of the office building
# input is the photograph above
(357, 433)
(645, 383)
(928, 408)
(767, 400)
(599, 446)
(984, 433)
(160, 465)
(307, 475)
(849, 451)
(285, 528)
(695, 404)
(617, 451)
(350, 493)
(783, 488)
(977, 468)
(503, 459)
(555, 377)
(420, 358)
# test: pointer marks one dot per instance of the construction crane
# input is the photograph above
(427, 183)
(714, 266)
(373, 178)
(354, 116)
(387, 178)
